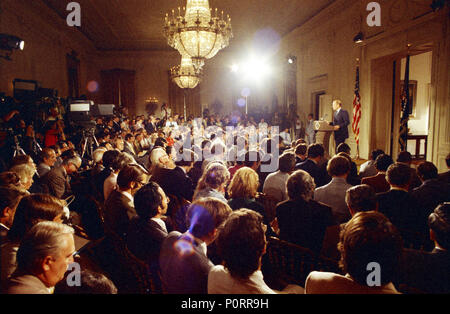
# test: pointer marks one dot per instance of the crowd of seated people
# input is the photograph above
(196, 203)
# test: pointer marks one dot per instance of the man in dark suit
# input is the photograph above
(9, 199)
(150, 125)
(57, 181)
(301, 219)
(341, 121)
(406, 158)
(119, 207)
(98, 180)
(183, 258)
(445, 177)
(399, 206)
(378, 182)
(432, 192)
(428, 271)
(148, 230)
(176, 181)
(313, 165)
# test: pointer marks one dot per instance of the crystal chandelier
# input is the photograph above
(197, 32)
(184, 75)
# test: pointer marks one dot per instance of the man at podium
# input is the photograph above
(340, 122)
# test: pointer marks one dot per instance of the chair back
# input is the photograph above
(140, 278)
(291, 263)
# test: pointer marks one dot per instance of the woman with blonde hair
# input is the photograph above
(243, 190)
(213, 182)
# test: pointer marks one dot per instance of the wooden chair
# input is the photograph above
(289, 262)
(139, 278)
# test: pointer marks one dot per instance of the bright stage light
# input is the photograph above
(256, 69)
(234, 68)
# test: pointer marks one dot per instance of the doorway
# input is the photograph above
(387, 78)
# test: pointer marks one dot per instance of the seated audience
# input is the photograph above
(175, 181)
(399, 206)
(25, 173)
(445, 177)
(98, 180)
(57, 180)
(43, 257)
(359, 198)
(9, 199)
(119, 207)
(11, 180)
(183, 258)
(213, 182)
(97, 158)
(147, 230)
(275, 183)
(352, 177)
(378, 182)
(30, 210)
(428, 271)
(368, 169)
(242, 192)
(432, 191)
(405, 157)
(48, 157)
(369, 237)
(300, 153)
(90, 283)
(241, 243)
(118, 163)
(333, 194)
(313, 165)
(301, 219)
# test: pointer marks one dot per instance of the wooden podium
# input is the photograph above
(323, 134)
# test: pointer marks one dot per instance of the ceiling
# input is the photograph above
(138, 24)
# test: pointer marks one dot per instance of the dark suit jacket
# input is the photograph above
(56, 183)
(445, 177)
(342, 119)
(304, 223)
(150, 127)
(144, 240)
(184, 267)
(430, 194)
(97, 183)
(119, 211)
(174, 181)
(319, 173)
(378, 182)
(401, 209)
(426, 271)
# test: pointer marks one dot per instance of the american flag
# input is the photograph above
(403, 134)
(356, 108)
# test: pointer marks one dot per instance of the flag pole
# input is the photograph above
(357, 142)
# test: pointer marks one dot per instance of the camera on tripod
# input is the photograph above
(81, 113)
